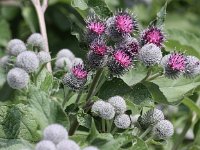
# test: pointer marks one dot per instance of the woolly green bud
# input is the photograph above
(107, 111)
(67, 145)
(90, 148)
(122, 121)
(45, 145)
(17, 49)
(163, 130)
(150, 54)
(55, 133)
(118, 103)
(151, 117)
(44, 57)
(36, 40)
(17, 78)
(28, 61)
(62, 63)
(14, 42)
(65, 53)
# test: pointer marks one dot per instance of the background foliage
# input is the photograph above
(65, 21)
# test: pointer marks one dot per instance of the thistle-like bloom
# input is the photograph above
(163, 130)
(55, 133)
(65, 53)
(153, 35)
(76, 78)
(150, 54)
(95, 28)
(63, 63)
(16, 47)
(131, 45)
(97, 106)
(44, 57)
(107, 111)
(45, 145)
(173, 65)
(97, 55)
(28, 61)
(151, 117)
(90, 148)
(36, 40)
(67, 145)
(119, 63)
(118, 103)
(122, 121)
(192, 67)
(17, 78)
(125, 22)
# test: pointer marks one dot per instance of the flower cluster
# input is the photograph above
(162, 129)
(24, 60)
(55, 137)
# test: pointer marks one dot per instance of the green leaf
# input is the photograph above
(183, 41)
(5, 33)
(161, 15)
(113, 144)
(100, 7)
(93, 132)
(81, 4)
(84, 119)
(15, 144)
(30, 18)
(18, 122)
(139, 144)
(191, 105)
(176, 90)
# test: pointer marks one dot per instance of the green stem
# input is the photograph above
(148, 74)
(109, 125)
(114, 130)
(73, 127)
(103, 123)
(94, 84)
(155, 76)
(181, 137)
(146, 132)
(66, 96)
(78, 97)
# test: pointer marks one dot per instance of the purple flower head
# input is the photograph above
(153, 35)
(177, 61)
(79, 71)
(122, 58)
(98, 47)
(125, 23)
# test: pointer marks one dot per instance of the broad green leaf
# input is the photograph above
(80, 137)
(81, 4)
(139, 144)
(18, 122)
(30, 18)
(100, 7)
(176, 90)
(15, 144)
(183, 41)
(84, 119)
(191, 105)
(9, 12)
(93, 132)
(5, 33)
(161, 15)
(113, 144)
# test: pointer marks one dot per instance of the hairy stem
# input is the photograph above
(181, 137)
(40, 10)
(155, 76)
(146, 132)
(148, 74)
(103, 124)
(94, 84)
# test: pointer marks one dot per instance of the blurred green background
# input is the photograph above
(18, 20)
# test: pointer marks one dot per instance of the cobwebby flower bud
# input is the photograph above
(28, 61)
(45, 145)
(17, 49)
(4, 61)
(63, 63)
(77, 61)
(17, 78)
(122, 121)
(150, 54)
(163, 130)
(55, 133)
(65, 53)
(151, 117)
(90, 148)
(192, 67)
(118, 103)
(67, 145)
(107, 111)
(44, 57)
(13, 43)
(36, 40)
(96, 107)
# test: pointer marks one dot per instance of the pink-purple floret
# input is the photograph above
(79, 71)
(99, 49)
(177, 61)
(96, 27)
(124, 23)
(122, 58)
